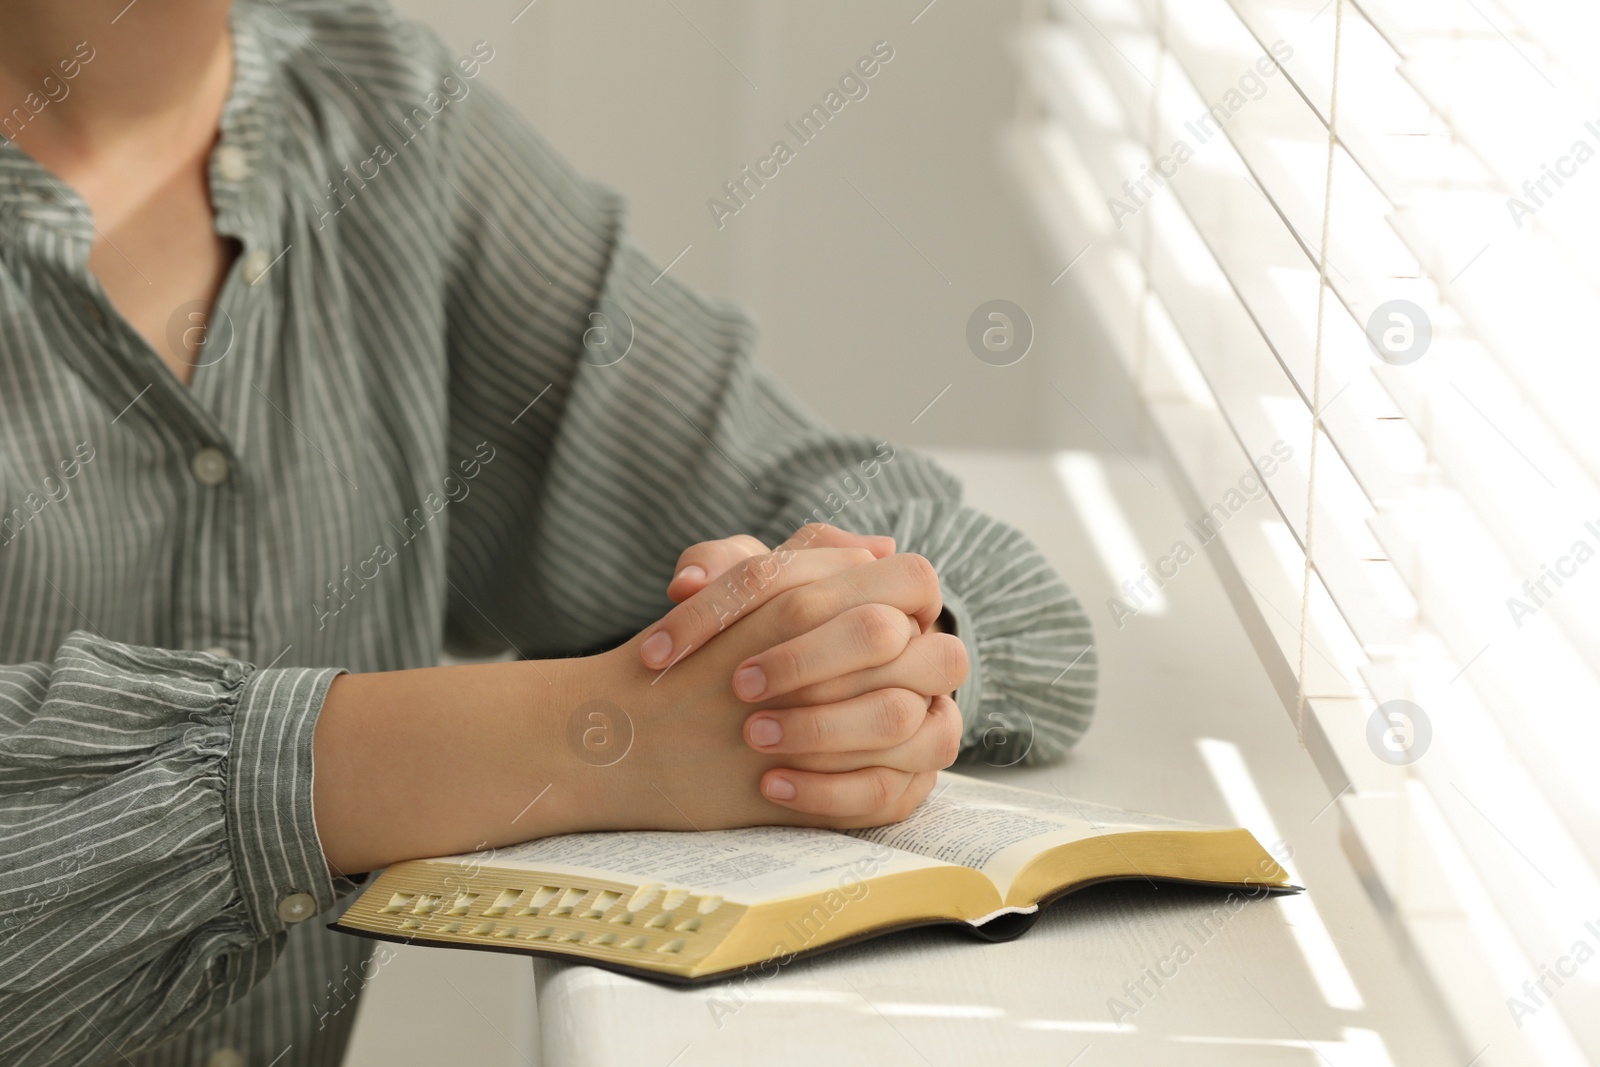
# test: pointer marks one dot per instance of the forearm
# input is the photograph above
(443, 760)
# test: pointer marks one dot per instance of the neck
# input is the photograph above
(84, 76)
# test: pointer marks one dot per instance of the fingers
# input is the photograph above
(879, 720)
(931, 664)
(833, 788)
(927, 740)
(821, 535)
(905, 580)
(700, 563)
(857, 639)
(871, 796)
(746, 586)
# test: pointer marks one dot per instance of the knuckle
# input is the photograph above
(740, 587)
(784, 664)
(866, 627)
(918, 568)
(794, 610)
(874, 630)
(695, 615)
(859, 557)
(762, 567)
(740, 574)
(881, 788)
(815, 731)
(900, 713)
(709, 611)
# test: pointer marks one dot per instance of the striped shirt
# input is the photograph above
(443, 404)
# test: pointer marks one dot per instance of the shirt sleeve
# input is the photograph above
(158, 840)
(627, 420)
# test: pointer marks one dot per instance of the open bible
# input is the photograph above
(692, 905)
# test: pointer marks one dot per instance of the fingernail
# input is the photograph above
(692, 572)
(766, 732)
(657, 648)
(780, 789)
(749, 682)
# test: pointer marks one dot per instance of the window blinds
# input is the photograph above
(1357, 237)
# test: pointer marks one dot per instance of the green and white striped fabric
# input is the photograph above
(412, 432)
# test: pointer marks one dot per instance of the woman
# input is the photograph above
(315, 361)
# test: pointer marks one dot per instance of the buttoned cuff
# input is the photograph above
(272, 831)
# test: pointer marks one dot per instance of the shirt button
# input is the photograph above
(232, 164)
(256, 265)
(210, 466)
(297, 907)
(225, 1057)
(220, 651)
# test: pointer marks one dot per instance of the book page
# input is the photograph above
(745, 866)
(997, 828)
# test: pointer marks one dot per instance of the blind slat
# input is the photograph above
(1440, 484)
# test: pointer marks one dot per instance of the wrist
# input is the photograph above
(442, 760)
(588, 744)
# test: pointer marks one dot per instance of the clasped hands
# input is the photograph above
(805, 685)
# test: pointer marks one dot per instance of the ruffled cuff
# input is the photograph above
(1032, 681)
(277, 857)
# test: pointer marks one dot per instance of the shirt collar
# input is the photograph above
(243, 163)
(28, 190)
(247, 160)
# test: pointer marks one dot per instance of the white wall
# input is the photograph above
(854, 318)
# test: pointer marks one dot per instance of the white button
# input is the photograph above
(297, 907)
(220, 651)
(225, 1057)
(255, 265)
(210, 466)
(232, 164)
